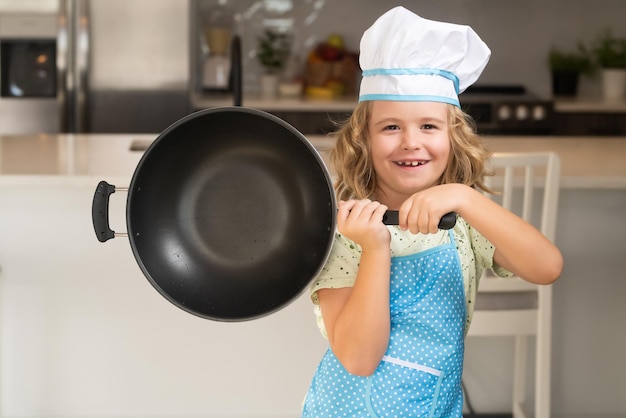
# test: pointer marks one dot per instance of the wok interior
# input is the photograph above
(231, 214)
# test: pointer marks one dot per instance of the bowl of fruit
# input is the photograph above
(331, 69)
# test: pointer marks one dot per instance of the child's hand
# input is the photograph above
(362, 222)
(422, 212)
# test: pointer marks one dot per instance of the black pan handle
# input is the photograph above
(100, 211)
(447, 221)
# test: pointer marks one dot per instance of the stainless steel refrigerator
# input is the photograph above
(100, 66)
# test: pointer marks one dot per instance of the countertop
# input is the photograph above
(587, 162)
(299, 104)
(581, 104)
(589, 105)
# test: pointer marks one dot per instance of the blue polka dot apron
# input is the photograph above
(420, 374)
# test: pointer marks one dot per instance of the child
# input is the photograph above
(395, 302)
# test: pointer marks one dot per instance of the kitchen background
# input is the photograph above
(146, 57)
(519, 34)
(140, 82)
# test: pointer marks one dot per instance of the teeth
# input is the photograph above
(411, 163)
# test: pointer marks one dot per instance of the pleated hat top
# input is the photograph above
(405, 57)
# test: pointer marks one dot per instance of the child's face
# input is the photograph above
(409, 147)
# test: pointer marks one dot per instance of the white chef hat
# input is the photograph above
(405, 57)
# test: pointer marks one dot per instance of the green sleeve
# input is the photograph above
(341, 267)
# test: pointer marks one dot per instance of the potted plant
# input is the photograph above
(566, 67)
(610, 55)
(273, 52)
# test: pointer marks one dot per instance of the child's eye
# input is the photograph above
(391, 127)
(428, 126)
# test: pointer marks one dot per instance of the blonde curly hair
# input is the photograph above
(356, 178)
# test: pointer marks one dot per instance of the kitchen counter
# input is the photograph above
(304, 104)
(299, 104)
(589, 105)
(579, 116)
(589, 162)
(586, 162)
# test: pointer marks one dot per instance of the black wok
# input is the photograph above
(230, 213)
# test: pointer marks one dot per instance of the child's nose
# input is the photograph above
(411, 140)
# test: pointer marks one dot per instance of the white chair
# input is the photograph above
(511, 306)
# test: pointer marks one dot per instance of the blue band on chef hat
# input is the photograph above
(409, 98)
(414, 71)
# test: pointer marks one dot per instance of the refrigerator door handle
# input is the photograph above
(63, 61)
(73, 54)
(82, 57)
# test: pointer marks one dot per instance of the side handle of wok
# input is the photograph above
(100, 211)
(447, 221)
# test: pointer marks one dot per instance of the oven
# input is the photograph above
(28, 72)
(508, 110)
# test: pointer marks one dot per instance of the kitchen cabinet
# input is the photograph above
(82, 331)
(590, 124)
(589, 117)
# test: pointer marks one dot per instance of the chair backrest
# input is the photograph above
(528, 185)
(519, 178)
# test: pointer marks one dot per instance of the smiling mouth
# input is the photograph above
(410, 163)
